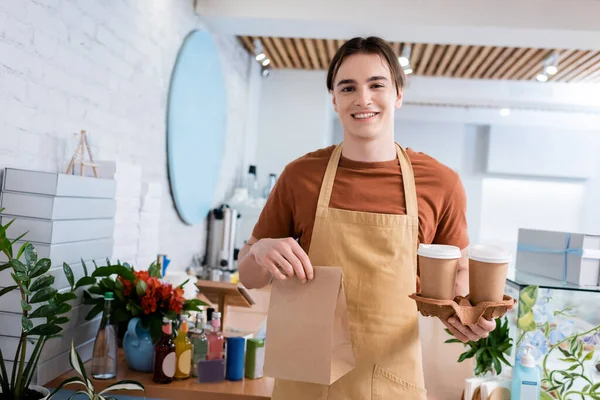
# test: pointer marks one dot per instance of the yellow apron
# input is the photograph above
(378, 255)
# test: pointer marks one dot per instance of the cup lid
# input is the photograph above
(441, 251)
(489, 254)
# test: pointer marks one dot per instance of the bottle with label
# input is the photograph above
(200, 342)
(104, 359)
(526, 378)
(216, 342)
(252, 183)
(183, 349)
(165, 357)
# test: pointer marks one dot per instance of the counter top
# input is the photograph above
(189, 389)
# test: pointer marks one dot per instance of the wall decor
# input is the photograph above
(196, 126)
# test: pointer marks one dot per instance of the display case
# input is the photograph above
(561, 321)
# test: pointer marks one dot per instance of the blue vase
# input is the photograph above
(138, 347)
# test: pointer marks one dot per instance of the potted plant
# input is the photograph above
(88, 387)
(142, 299)
(39, 300)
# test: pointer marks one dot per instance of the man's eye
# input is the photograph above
(347, 89)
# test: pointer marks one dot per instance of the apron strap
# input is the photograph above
(408, 178)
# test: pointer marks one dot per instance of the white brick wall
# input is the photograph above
(104, 66)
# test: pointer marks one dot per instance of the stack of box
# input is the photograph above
(68, 218)
(564, 256)
(149, 229)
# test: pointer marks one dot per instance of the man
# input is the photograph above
(365, 205)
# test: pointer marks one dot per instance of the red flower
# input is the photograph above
(143, 275)
(165, 292)
(148, 304)
(176, 303)
(127, 286)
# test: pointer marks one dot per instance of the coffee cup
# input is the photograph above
(488, 266)
(438, 265)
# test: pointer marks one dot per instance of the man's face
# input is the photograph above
(364, 96)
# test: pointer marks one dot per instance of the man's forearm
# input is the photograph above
(252, 275)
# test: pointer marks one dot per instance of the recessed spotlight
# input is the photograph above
(541, 77)
(265, 72)
(266, 62)
(403, 61)
(551, 70)
(260, 57)
(505, 112)
(408, 71)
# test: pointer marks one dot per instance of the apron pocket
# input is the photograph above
(389, 386)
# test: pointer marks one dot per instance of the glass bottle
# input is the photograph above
(183, 350)
(165, 357)
(104, 359)
(267, 190)
(215, 338)
(252, 183)
(200, 342)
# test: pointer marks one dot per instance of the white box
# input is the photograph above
(48, 207)
(69, 252)
(61, 231)
(564, 256)
(54, 184)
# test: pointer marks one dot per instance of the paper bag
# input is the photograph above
(308, 335)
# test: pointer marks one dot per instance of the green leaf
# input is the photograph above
(123, 385)
(154, 270)
(69, 274)
(5, 266)
(545, 396)
(21, 277)
(44, 294)
(465, 356)
(155, 323)
(112, 270)
(25, 306)
(565, 353)
(184, 283)
(21, 250)
(60, 320)
(85, 271)
(107, 284)
(30, 256)
(447, 341)
(18, 266)
(64, 297)
(40, 268)
(96, 290)
(44, 330)
(121, 315)
(45, 311)
(76, 363)
(41, 282)
(97, 309)
(70, 381)
(8, 289)
(26, 323)
(589, 356)
(63, 308)
(172, 315)
(141, 287)
(15, 240)
(85, 281)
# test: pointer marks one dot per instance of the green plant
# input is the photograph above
(34, 285)
(490, 352)
(84, 381)
(557, 383)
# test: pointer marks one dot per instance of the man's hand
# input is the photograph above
(283, 258)
(466, 333)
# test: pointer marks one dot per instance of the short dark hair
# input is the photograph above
(369, 45)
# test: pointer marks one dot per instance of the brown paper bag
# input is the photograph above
(308, 335)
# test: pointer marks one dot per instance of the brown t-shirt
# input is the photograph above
(374, 187)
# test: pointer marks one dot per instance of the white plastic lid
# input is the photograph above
(527, 360)
(441, 251)
(489, 254)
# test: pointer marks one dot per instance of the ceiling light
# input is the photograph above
(265, 72)
(260, 56)
(551, 64)
(403, 61)
(505, 112)
(408, 71)
(404, 58)
(551, 70)
(541, 77)
(266, 62)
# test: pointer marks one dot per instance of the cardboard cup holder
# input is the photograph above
(461, 307)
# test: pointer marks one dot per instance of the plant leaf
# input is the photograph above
(155, 323)
(18, 266)
(85, 281)
(5, 266)
(124, 385)
(69, 274)
(26, 323)
(21, 250)
(44, 311)
(40, 268)
(76, 363)
(63, 308)
(44, 330)
(447, 341)
(60, 321)
(4, 376)
(98, 308)
(85, 271)
(140, 288)
(21, 236)
(64, 383)
(64, 297)
(25, 306)
(8, 289)
(44, 294)
(114, 269)
(589, 356)
(30, 256)
(41, 282)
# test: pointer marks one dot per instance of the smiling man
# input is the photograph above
(365, 204)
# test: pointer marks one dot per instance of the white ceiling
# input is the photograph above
(570, 24)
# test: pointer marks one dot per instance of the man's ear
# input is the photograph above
(398, 102)
(333, 101)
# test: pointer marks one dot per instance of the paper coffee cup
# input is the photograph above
(488, 266)
(438, 265)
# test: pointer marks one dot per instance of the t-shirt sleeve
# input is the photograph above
(276, 219)
(452, 228)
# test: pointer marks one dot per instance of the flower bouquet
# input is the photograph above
(140, 294)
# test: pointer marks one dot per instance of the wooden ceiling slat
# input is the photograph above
(498, 62)
(340, 42)
(331, 48)
(592, 78)
(415, 55)
(591, 66)
(312, 53)
(271, 52)
(283, 52)
(517, 64)
(466, 62)
(514, 57)
(396, 46)
(299, 43)
(532, 67)
(575, 66)
(490, 58)
(462, 50)
(477, 62)
(446, 60)
(322, 53)
(296, 62)
(565, 61)
(435, 59)
(424, 61)
(248, 43)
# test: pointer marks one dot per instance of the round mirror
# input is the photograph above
(196, 126)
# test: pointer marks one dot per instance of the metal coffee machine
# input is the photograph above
(220, 261)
